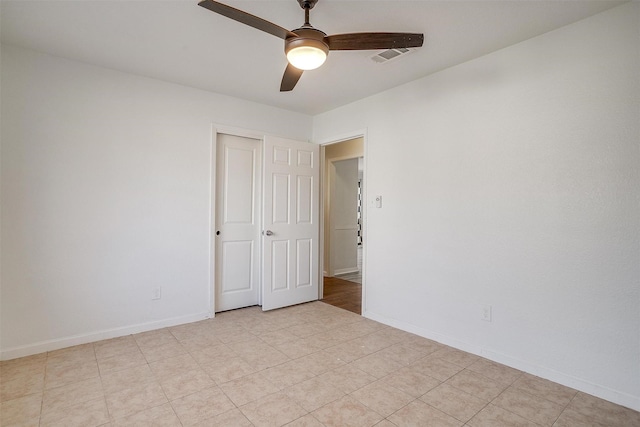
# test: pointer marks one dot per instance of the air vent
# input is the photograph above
(389, 55)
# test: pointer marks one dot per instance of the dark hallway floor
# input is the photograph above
(344, 294)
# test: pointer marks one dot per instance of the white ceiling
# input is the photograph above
(178, 41)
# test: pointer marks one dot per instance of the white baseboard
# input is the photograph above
(579, 384)
(345, 271)
(615, 396)
(56, 344)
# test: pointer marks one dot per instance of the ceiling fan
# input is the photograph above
(307, 47)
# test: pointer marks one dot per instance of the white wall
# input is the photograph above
(105, 195)
(514, 180)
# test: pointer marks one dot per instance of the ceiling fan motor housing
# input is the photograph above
(307, 37)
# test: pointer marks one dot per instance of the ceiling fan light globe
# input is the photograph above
(306, 57)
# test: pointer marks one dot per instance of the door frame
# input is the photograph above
(362, 133)
(218, 128)
(215, 130)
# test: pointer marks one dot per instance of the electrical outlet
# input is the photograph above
(157, 293)
(486, 313)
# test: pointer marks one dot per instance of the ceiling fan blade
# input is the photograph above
(246, 18)
(290, 78)
(367, 41)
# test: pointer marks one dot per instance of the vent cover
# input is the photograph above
(389, 55)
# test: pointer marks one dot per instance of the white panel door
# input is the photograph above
(238, 186)
(291, 228)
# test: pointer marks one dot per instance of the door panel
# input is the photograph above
(279, 265)
(304, 262)
(305, 202)
(238, 197)
(291, 212)
(237, 259)
(238, 184)
(280, 198)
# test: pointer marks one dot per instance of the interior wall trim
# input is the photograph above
(576, 383)
(50, 345)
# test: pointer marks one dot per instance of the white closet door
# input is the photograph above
(238, 191)
(291, 228)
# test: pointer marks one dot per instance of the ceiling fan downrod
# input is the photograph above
(307, 5)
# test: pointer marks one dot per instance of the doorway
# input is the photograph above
(343, 223)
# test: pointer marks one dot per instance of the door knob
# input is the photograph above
(268, 233)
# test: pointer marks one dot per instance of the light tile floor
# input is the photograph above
(307, 365)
